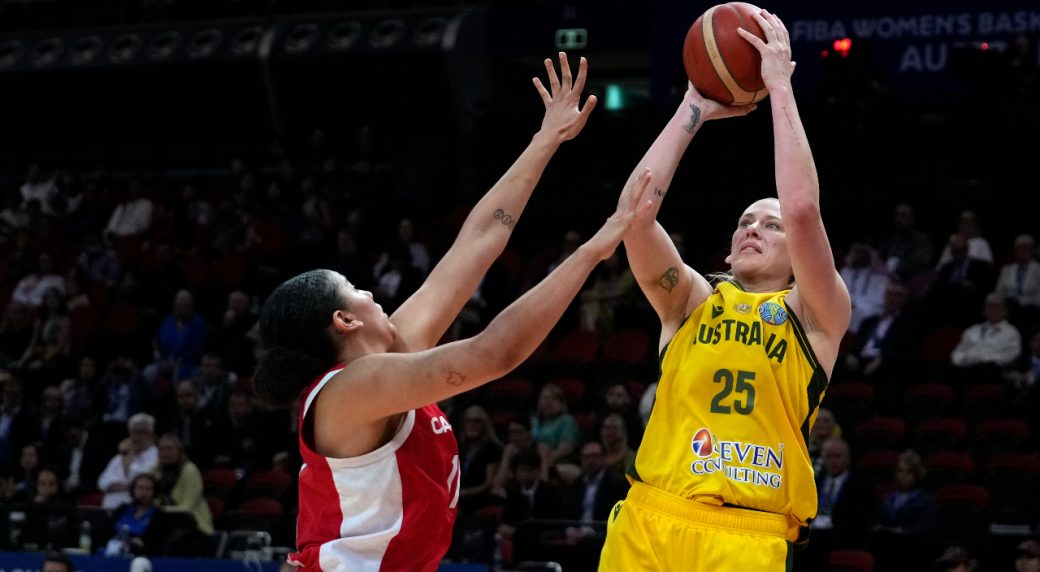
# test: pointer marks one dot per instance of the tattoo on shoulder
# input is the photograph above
(455, 378)
(695, 119)
(669, 279)
(507, 220)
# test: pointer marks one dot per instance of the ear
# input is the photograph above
(345, 322)
(729, 258)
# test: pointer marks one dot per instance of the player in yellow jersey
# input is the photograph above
(722, 480)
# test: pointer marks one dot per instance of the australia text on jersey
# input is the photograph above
(739, 331)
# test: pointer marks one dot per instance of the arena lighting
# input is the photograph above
(301, 38)
(10, 52)
(124, 48)
(343, 35)
(430, 31)
(164, 45)
(387, 33)
(85, 50)
(843, 46)
(246, 41)
(984, 46)
(205, 43)
(47, 52)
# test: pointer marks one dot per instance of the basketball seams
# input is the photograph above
(739, 95)
(746, 24)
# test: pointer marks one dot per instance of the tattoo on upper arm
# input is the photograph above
(658, 191)
(695, 119)
(455, 378)
(669, 279)
(507, 220)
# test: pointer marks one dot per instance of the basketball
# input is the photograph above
(722, 65)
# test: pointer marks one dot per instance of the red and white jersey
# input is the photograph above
(387, 510)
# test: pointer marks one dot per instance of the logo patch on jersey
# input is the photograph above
(743, 308)
(772, 313)
(702, 443)
(716, 311)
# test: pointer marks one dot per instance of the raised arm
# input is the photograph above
(424, 317)
(819, 293)
(671, 287)
(377, 386)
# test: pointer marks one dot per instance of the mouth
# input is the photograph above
(750, 249)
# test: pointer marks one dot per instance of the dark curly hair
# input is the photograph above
(294, 331)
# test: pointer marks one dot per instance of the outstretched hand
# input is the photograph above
(775, 50)
(564, 118)
(634, 205)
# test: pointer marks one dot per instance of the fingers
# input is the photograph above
(565, 71)
(546, 98)
(752, 39)
(583, 68)
(766, 23)
(590, 104)
(554, 82)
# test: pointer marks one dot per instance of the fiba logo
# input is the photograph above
(702, 443)
(772, 313)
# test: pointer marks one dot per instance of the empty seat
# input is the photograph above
(938, 435)
(879, 433)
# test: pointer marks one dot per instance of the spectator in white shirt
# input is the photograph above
(1019, 281)
(137, 454)
(866, 277)
(40, 188)
(31, 289)
(988, 346)
(978, 247)
(133, 216)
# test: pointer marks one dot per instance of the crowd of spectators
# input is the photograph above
(128, 337)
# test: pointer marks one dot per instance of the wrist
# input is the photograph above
(548, 139)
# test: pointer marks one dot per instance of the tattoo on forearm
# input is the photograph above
(455, 378)
(669, 279)
(659, 192)
(695, 119)
(507, 220)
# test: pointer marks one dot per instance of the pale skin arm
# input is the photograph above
(671, 287)
(378, 386)
(424, 317)
(820, 297)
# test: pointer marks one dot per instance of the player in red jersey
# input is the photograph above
(380, 479)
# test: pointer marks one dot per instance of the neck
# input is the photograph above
(759, 285)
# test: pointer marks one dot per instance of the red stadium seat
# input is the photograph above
(850, 402)
(576, 347)
(938, 435)
(269, 483)
(879, 433)
(948, 468)
(219, 482)
(850, 560)
(926, 401)
(630, 346)
(1013, 480)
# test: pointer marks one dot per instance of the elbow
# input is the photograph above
(800, 209)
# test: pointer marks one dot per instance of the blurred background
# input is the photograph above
(172, 161)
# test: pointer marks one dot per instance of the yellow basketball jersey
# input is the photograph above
(738, 392)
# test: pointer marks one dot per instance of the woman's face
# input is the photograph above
(611, 431)
(904, 476)
(169, 452)
(759, 244)
(363, 307)
(475, 424)
(550, 403)
(824, 426)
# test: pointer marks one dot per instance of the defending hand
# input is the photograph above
(564, 118)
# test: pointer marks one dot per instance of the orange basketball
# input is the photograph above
(721, 64)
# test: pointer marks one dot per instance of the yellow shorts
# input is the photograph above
(652, 530)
